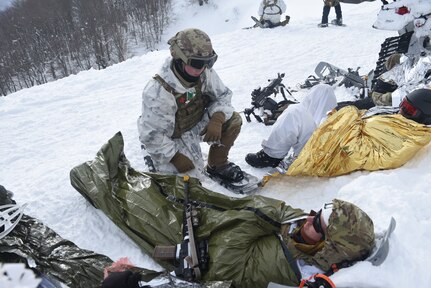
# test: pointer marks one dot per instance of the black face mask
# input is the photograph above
(179, 68)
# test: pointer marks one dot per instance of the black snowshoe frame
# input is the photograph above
(391, 45)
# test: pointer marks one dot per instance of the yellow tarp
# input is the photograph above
(346, 142)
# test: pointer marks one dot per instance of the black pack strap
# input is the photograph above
(292, 262)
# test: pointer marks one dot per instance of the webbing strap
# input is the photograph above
(165, 85)
(292, 262)
(267, 4)
(171, 90)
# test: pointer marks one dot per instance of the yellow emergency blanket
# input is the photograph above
(347, 142)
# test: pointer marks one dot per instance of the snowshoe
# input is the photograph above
(258, 23)
(310, 82)
(381, 249)
(233, 178)
(229, 172)
(324, 69)
(322, 25)
(280, 169)
(338, 22)
(10, 215)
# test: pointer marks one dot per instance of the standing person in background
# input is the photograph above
(326, 8)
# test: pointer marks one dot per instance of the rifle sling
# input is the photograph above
(292, 262)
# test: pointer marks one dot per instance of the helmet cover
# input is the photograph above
(192, 43)
(350, 231)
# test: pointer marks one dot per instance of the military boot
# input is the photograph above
(218, 164)
(286, 21)
(261, 160)
(218, 153)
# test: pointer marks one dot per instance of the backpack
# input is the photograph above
(271, 4)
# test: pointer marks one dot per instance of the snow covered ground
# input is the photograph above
(47, 130)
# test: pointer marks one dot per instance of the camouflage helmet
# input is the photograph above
(349, 235)
(193, 47)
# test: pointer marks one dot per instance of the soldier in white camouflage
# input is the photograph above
(270, 12)
(187, 103)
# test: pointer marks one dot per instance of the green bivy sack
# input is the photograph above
(242, 233)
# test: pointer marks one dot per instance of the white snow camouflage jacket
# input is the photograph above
(157, 122)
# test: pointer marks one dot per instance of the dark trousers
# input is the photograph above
(326, 10)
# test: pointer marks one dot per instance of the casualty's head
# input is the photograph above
(192, 51)
(347, 231)
(417, 106)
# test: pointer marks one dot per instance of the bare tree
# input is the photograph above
(43, 40)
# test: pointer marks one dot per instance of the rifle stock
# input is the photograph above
(191, 256)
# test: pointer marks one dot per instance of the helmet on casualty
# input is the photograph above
(193, 47)
(349, 234)
(417, 106)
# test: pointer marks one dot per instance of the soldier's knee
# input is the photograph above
(233, 125)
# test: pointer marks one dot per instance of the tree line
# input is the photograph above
(45, 40)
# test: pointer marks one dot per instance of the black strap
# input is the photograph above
(292, 262)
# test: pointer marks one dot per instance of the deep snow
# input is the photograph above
(47, 130)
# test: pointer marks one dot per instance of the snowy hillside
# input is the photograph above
(47, 130)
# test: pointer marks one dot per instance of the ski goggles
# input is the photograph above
(195, 61)
(317, 222)
(409, 111)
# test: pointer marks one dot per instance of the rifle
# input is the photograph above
(260, 99)
(192, 256)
